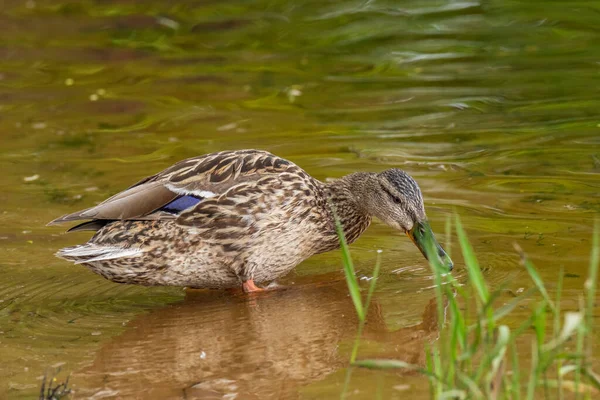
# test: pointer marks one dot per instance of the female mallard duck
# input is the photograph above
(238, 217)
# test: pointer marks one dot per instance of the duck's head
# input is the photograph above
(394, 197)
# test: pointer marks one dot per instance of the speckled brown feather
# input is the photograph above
(259, 217)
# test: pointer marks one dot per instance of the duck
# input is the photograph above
(240, 218)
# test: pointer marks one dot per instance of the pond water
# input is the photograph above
(492, 106)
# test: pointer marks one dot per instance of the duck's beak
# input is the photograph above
(423, 237)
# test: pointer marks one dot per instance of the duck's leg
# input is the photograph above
(250, 287)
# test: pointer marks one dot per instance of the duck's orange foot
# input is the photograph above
(250, 287)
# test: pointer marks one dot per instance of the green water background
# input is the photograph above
(492, 106)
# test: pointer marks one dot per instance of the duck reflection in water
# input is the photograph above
(246, 348)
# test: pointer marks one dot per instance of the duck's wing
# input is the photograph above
(184, 185)
(255, 211)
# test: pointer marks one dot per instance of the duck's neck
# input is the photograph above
(347, 197)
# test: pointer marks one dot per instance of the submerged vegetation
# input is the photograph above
(477, 355)
(52, 388)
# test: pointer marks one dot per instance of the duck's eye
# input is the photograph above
(395, 199)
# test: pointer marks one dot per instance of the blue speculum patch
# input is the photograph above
(181, 203)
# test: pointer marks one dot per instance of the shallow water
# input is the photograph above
(492, 107)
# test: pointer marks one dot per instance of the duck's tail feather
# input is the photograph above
(94, 225)
(87, 253)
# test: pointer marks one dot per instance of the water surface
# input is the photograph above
(491, 106)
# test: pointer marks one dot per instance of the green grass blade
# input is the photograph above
(571, 325)
(429, 369)
(476, 279)
(516, 372)
(475, 276)
(556, 328)
(592, 377)
(448, 236)
(351, 280)
(437, 368)
(361, 323)
(537, 280)
(590, 288)
(506, 309)
(373, 282)
(458, 339)
(533, 373)
(581, 331)
(591, 284)
(439, 286)
(497, 357)
(453, 394)
(539, 326)
(474, 390)
(346, 382)
(458, 326)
